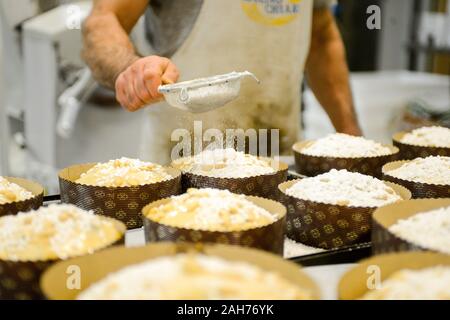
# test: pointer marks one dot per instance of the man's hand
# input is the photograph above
(138, 85)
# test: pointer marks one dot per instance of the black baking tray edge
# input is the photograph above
(51, 198)
(348, 254)
(292, 174)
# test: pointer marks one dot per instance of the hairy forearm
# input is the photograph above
(328, 76)
(107, 49)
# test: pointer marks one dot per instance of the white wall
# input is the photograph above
(395, 33)
(2, 113)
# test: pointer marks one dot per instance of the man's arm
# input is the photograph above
(112, 57)
(327, 73)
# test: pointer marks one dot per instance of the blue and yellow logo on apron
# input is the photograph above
(271, 12)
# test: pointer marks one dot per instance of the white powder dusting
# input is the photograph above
(344, 146)
(193, 277)
(224, 163)
(56, 231)
(211, 209)
(297, 249)
(342, 187)
(425, 284)
(124, 172)
(429, 230)
(10, 192)
(433, 136)
(432, 170)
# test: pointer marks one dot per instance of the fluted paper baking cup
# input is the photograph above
(122, 203)
(384, 240)
(264, 186)
(25, 205)
(360, 280)
(314, 165)
(269, 237)
(97, 266)
(325, 225)
(19, 280)
(418, 189)
(409, 151)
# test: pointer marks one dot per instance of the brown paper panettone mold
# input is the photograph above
(418, 189)
(25, 205)
(122, 203)
(354, 283)
(409, 151)
(97, 266)
(314, 165)
(328, 226)
(383, 218)
(261, 185)
(269, 237)
(19, 280)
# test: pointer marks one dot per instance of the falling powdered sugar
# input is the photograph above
(224, 163)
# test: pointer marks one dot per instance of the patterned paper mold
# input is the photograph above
(328, 226)
(259, 185)
(19, 280)
(383, 240)
(99, 265)
(313, 165)
(353, 284)
(409, 151)
(122, 203)
(24, 205)
(418, 190)
(269, 237)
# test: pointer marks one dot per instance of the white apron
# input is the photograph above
(269, 38)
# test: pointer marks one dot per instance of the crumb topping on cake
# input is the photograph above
(341, 187)
(58, 231)
(429, 229)
(433, 136)
(193, 276)
(425, 284)
(431, 170)
(345, 146)
(11, 192)
(224, 163)
(212, 210)
(124, 172)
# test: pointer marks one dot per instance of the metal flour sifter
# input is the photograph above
(204, 94)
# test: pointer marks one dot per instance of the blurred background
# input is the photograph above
(52, 113)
